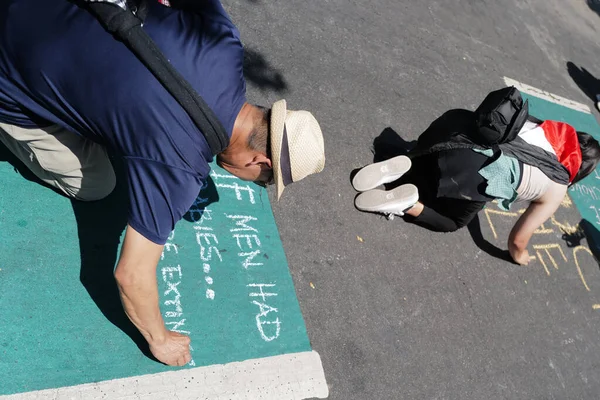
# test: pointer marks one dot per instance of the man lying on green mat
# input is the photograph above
(69, 92)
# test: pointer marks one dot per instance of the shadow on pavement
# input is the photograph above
(390, 144)
(259, 72)
(208, 195)
(593, 237)
(587, 82)
(474, 228)
(574, 239)
(590, 233)
(594, 5)
(387, 145)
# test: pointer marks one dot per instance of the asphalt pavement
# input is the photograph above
(398, 312)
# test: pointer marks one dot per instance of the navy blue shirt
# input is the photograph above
(59, 66)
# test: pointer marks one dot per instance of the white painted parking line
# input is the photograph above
(293, 376)
(547, 96)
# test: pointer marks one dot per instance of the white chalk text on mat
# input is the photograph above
(245, 237)
(172, 275)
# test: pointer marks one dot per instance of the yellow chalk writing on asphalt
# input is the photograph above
(575, 250)
(489, 211)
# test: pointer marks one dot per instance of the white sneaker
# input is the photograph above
(381, 173)
(392, 202)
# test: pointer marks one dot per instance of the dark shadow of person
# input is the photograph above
(573, 239)
(261, 74)
(594, 6)
(474, 228)
(388, 144)
(208, 195)
(587, 82)
(588, 231)
(592, 236)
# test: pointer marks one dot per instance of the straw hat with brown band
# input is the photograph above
(297, 148)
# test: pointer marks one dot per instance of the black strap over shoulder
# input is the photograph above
(452, 131)
(127, 27)
(535, 120)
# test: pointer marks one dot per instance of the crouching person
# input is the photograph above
(455, 170)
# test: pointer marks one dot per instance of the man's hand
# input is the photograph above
(520, 257)
(173, 350)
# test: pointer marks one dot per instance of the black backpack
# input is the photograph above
(500, 117)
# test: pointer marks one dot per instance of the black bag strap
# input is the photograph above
(535, 120)
(127, 27)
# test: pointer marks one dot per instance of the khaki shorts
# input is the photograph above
(71, 163)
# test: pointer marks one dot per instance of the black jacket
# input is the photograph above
(456, 129)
